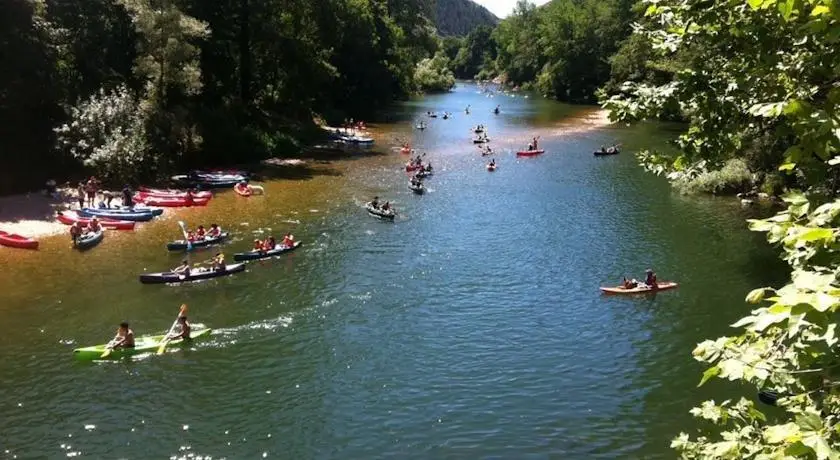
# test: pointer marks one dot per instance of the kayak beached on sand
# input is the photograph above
(181, 245)
(71, 217)
(254, 255)
(640, 289)
(173, 193)
(13, 240)
(145, 344)
(169, 202)
(196, 274)
(138, 215)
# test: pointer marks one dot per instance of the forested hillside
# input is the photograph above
(133, 88)
(460, 17)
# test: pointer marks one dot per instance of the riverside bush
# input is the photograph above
(732, 178)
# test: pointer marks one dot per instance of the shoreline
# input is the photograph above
(33, 214)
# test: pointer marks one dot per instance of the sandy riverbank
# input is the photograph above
(33, 214)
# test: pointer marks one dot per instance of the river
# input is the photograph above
(471, 327)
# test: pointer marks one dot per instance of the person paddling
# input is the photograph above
(94, 225)
(214, 232)
(375, 203)
(184, 329)
(219, 261)
(123, 339)
(270, 244)
(183, 268)
(650, 279)
(288, 240)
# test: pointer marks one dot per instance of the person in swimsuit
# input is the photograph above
(124, 337)
(184, 329)
(183, 268)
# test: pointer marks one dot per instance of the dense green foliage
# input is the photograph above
(137, 87)
(460, 17)
(763, 75)
(433, 74)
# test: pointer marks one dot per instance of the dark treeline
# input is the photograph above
(570, 50)
(136, 88)
(460, 17)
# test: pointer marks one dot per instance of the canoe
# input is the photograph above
(491, 167)
(376, 212)
(145, 344)
(642, 289)
(529, 153)
(169, 202)
(195, 275)
(143, 215)
(13, 240)
(209, 181)
(89, 240)
(599, 153)
(254, 255)
(181, 245)
(71, 217)
(418, 189)
(173, 193)
(242, 190)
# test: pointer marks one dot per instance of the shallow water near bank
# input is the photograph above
(470, 327)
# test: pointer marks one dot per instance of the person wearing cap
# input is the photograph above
(650, 278)
(124, 337)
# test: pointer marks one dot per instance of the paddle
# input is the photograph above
(108, 350)
(186, 237)
(166, 337)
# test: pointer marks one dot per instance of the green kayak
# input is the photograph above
(145, 344)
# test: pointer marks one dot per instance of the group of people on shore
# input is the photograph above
(88, 191)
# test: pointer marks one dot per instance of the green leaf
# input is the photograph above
(820, 10)
(731, 369)
(759, 225)
(820, 446)
(713, 371)
(756, 295)
(651, 10)
(809, 421)
(756, 4)
(815, 234)
(775, 434)
(786, 8)
(795, 198)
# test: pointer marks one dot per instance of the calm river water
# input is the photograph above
(472, 327)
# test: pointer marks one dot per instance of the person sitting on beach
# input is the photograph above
(183, 268)
(219, 262)
(214, 231)
(201, 233)
(94, 225)
(123, 339)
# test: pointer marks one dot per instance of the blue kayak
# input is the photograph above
(89, 240)
(120, 214)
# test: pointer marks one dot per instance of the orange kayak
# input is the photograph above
(642, 289)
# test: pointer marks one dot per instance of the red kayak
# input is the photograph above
(71, 217)
(14, 240)
(169, 202)
(172, 193)
(529, 153)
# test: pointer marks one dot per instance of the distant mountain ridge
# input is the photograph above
(460, 17)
